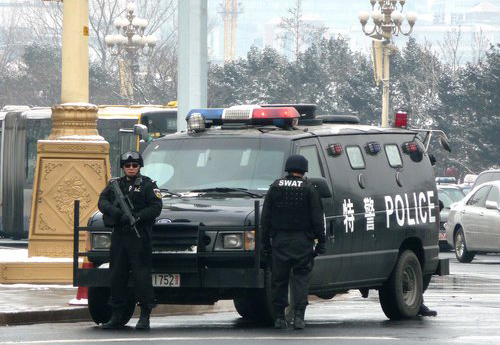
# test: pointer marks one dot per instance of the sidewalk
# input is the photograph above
(29, 303)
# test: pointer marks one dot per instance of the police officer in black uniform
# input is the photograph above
(292, 219)
(129, 252)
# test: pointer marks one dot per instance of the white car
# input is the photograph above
(473, 224)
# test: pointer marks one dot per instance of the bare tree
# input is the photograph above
(450, 48)
(480, 45)
(295, 30)
(12, 38)
(45, 23)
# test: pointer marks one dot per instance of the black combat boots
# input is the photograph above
(298, 321)
(143, 322)
(116, 320)
(280, 322)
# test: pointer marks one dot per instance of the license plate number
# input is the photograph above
(163, 279)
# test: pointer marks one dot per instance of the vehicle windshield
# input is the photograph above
(455, 194)
(200, 163)
(447, 201)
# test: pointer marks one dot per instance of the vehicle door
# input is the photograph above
(489, 220)
(326, 267)
(349, 229)
(472, 216)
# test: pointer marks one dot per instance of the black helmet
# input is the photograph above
(296, 163)
(131, 156)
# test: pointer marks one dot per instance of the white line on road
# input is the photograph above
(88, 341)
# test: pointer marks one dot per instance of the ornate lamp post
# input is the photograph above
(130, 44)
(387, 21)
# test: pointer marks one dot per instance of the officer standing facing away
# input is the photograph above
(131, 251)
(292, 218)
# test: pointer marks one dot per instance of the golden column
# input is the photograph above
(74, 162)
(387, 20)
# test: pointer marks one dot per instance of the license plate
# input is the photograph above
(166, 280)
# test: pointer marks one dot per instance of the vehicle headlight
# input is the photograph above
(233, 241)
(100, 241)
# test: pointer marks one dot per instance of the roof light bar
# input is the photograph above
(249, 114)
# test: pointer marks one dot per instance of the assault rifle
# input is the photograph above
(125, 204)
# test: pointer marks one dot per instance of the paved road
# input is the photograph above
(468, 302)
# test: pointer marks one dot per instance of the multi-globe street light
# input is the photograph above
(388, 20)
(130, 44)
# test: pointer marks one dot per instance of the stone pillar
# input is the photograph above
(74, 162)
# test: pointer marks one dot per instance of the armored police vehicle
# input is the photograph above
(378, 192)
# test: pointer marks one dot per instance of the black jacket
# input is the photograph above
(144, 196)
(293, 203)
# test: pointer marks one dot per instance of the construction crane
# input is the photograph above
(229, 9)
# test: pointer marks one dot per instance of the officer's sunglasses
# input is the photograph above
(131, 165)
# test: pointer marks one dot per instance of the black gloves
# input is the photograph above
(320, 248)
(124, 220)
(116, 214)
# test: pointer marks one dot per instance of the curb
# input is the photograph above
(76, 314)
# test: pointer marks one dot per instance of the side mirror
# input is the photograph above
(321, 186)
(492, 205)
(142, 132)
(441, 205)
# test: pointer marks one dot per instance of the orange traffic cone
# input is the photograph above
(82, 294)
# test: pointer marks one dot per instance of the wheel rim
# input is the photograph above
(459, 244)
(409, 285)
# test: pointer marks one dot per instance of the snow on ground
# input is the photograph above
(21, 255)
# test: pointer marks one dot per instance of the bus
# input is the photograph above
(20, 129)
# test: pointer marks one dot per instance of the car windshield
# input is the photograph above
(455, 194)
(447, 201)
(201, 163)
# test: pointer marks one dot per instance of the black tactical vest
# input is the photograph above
(290, 203)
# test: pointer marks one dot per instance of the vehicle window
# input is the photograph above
(355, 157)
(479, 198)
(311, 154)
(185, 165)
(393, 155)
(160, 123)
(447, 201)
(36, 129)
(494, 195)
(455, 194)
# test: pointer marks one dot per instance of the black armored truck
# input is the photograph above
(378, 193)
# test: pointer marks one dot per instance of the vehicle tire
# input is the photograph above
(461, 252)
(257, 306)
(99, 308)
(401, 295)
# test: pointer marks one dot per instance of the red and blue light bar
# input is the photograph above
(250, 115)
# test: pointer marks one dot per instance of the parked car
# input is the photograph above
(485, 176)
(473, 224)
(448, 194)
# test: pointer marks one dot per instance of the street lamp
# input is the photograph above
(388, 20)
(130, 43)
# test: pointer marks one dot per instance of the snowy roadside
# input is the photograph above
(21, 255)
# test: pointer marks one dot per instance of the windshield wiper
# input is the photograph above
(226, 190)
(166, 191)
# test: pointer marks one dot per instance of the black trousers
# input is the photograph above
(292, 253)
(131, 255)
